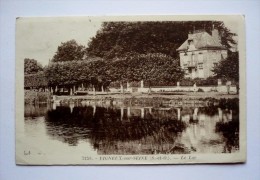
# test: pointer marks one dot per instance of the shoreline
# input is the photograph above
(41, 98)
(179, 96)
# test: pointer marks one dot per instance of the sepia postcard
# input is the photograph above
(130, 90)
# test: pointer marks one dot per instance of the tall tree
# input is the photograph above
(69, 51)
(118, 39)
(228, 68)
(31, 66)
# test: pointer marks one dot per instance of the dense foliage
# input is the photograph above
(228, 68)
(154, 68)
(31, 66)
(36, 80)
(118, 39)
(69, 51)
(200, 81)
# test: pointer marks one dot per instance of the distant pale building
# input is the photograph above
(200, 53)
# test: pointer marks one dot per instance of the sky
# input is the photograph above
(39, 38)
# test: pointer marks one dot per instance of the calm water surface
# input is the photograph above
(102, 128)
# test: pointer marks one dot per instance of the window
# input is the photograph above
(185, 58)
(192, 57)
(214, 56)
(200, 58)
(200, 65)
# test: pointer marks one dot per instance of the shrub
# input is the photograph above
(200, 90)
(33, 97)
(36, 80)
(210, 81)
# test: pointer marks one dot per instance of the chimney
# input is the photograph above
(215, 35)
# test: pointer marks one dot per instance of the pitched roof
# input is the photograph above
(202, 40)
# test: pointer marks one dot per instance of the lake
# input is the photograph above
(105, 129)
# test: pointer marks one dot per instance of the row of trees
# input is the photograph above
(129, 52)
(154, 68)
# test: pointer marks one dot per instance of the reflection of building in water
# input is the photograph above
(200, 135)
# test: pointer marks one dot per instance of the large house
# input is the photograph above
(200, 53)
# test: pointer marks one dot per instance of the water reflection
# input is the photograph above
(38, 110)
(112, 130)
(139, 129)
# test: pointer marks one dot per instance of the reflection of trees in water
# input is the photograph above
(137, 136)
(213, 105)
(231, 104)
(109, 134)
(66, 126)
(158, 114)
(147, 130)
(37, 110)
(230, 132)
(229, 127)
(210, 111)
